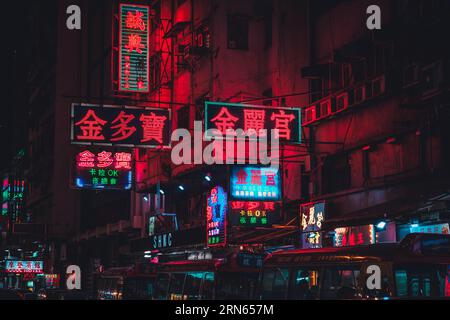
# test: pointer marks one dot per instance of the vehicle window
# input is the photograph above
(208, 286)
(192, 285)
(162, 284)
(275, 283)
(304, 284)
(176, 286)
(340, 283)
(238, 286)
(420, 282)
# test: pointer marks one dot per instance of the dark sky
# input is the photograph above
(15, 30)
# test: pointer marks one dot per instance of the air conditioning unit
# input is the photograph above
(378, 86)
(410, 75)
(431, 79)
(359, 94)
(341, 101)
(325, 108)
(310, 115)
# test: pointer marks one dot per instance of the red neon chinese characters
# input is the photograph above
(256, 177)
(224, 120)
(242, 177)
(127, 72)
(153, 127)
(123, 160)
(104, 159)
(254, 121)
(269, 205)
(237, 205)
(282, 121)
(123, 130)
(134, 43)
(91, 126)
(86, 159)
(135, 21)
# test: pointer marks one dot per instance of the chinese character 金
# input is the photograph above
(91, 127)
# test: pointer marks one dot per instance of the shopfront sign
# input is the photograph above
(355, 235)
(252, 119)
(103, 170)
(254, 213)
(255, 183)
(162, 241)
(19, 266)
(216, 216)
(120, 126)
(442, 228)
(134, 48)
(311, 217)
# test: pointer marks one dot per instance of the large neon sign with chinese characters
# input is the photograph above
(354, 236)
(103, 170)
(255, 183)
(311, 217)
(254, 213)
(120, 126)
(251, 119)
(133, 48)
(24, 266)
(216, 215)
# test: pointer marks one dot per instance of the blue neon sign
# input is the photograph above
(255, 183)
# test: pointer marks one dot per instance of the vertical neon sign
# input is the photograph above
(216, 211)
(133, 48)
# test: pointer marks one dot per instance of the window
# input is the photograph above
(274, 284)
(236, 286)
(238, 27)
(340, 283)
(304, 284)
(192, 285)
(176, 286)
(208, 286)
(336, 173)
(162, 283)
(420, 282)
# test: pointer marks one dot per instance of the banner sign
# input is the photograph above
(251, 119)
(255, 183)
(216, 214)
(18, 266)
(311, 217)
(120, 126)
(134, 48)
(104, 170)
(254, 213)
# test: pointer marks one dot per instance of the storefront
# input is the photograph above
(20, 274)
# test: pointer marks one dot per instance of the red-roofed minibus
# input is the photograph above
(416, 268)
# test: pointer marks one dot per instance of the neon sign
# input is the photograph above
(24, 266)
(353, 236)
(255, 183)
(254, 213)
(133, 48)
(311, 217)
(103, 170)
(251, 119)
(120, 126)
(216, 212)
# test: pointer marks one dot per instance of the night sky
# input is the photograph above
(14, 66)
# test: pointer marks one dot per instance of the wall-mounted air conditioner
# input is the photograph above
(431, 79)
(325, 108)
(359, 94)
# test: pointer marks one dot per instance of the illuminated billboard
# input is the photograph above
(311, 218)
(120, 126)
(134, 48)
(254, 213)
(17, 266)
(251, 119)
(103, 170)
(255, 183)
(216, 215)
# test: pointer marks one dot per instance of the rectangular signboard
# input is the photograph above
(251, 119)
(254, 213)
(120, 126)
(134, 48)
(103, 170)
(18, 266)
(255, 183)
